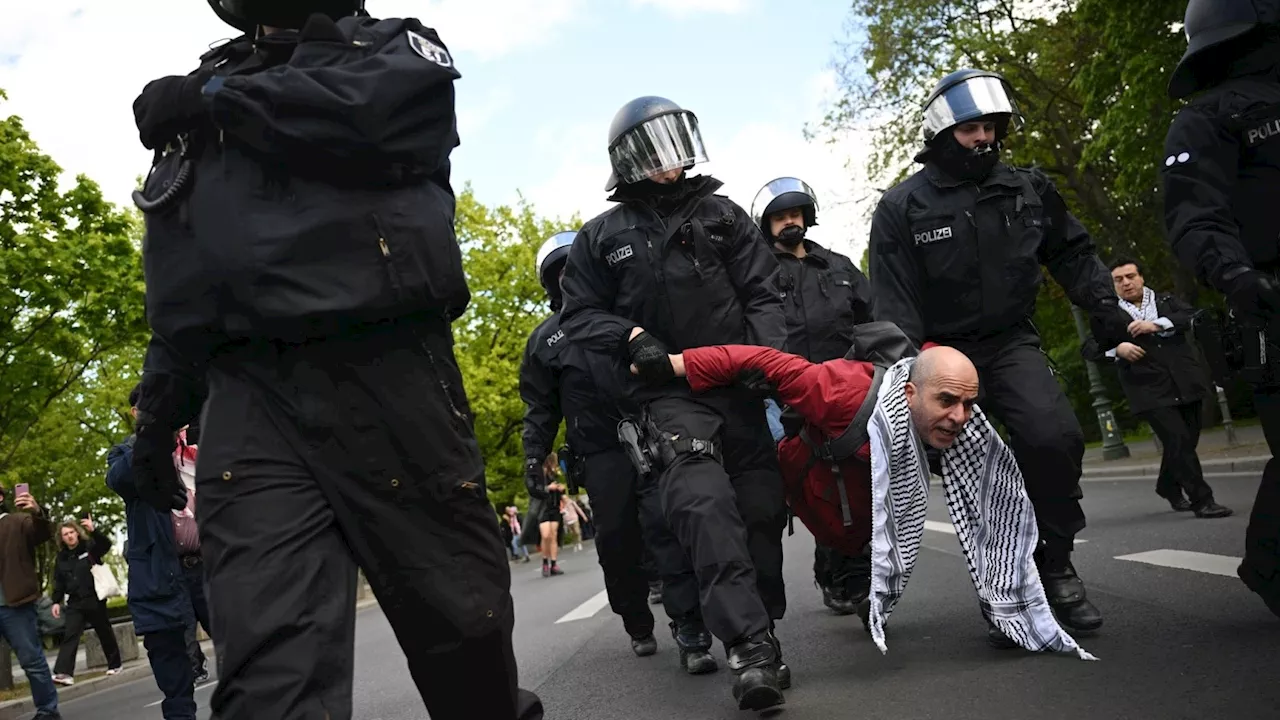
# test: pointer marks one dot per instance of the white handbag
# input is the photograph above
(104, 581)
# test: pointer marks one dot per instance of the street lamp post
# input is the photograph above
(1113, 447)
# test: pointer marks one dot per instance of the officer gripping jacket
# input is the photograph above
(824, 296)
(303, 265)
(674, 266)
(1221, 182)
(956, 251)
(559, 380)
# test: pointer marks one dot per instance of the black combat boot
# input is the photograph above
(784, 672)
(1064, 589)
(754, 664)
(644, 645)
(837, 599)
(997, 639)
(694, 643)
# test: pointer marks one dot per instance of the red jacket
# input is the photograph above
(827, 396)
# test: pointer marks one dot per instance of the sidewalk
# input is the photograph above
(132, 670)
(1249, 454)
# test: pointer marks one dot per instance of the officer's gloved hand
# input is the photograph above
(154, 474)
(754, 381)
(650, 358)
(1254, 294)
(535, 480)
(169, 107)
(1109, 324)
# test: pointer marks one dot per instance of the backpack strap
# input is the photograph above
(856, 434)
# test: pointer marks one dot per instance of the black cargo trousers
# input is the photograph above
(1260, 569)
(727, 515)
(1016, 386)
(624, 534)
(352, 450)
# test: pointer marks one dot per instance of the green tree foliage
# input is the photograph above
(1090, 78)
(72, 327)
(499, 245)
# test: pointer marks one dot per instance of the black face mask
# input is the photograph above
(791, 236)
(962, 163)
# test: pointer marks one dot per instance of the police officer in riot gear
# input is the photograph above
(824, 296)
(558, 380)
(305, 270)
(1221, 182)
(675, 266)
(956, 251)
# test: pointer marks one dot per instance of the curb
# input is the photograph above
(1231, 465)
(133, 670)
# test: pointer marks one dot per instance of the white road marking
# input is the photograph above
(950, 529)
(198, 689)
(587, 609)
(1187, 560)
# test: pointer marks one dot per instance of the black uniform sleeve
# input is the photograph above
(754, 272)
(341, 103)
(895, 272)
(1198, 178)
(1173, 309)
(863, 308)
(1071, 256)
(101, 544)
(540, 391)
(172, 389)
(589, 291)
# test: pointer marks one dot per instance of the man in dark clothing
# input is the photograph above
(21, 532)
(956, 251)
(557, 380)
(159, 601)
(675, 266)
(301, 265)
(824, 295)
(1165, 385)
(1221, 185)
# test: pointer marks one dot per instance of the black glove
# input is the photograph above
(1109, 324)
(650, 358)
(169, 107)
(154, 474)
(1254, 294)
(754, 381)
(535, 481)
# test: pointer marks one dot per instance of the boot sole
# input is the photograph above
(1077, 628)
(761, 697)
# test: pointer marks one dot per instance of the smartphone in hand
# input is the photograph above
(22, 489)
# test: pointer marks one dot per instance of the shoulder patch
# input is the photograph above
(429, 50)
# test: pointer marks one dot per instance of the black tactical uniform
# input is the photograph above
(823, 295)
(557, 381)
(1221, 182)
(956, 251)
(304, 265)
(690, 268)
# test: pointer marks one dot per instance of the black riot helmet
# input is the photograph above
(247, 15)
(552, 256)
(1212, 24)
(780, 194)
(967, 95)
(652, 135)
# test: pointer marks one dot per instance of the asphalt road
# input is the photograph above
(1185, 641)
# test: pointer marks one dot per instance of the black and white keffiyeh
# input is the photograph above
(989, 507)
(1148, 309)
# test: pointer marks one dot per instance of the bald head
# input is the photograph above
(941, 392)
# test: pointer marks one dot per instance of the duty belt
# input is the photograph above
(673, 447)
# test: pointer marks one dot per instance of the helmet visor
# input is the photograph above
(764, 203)
(970, 100)
(658, 145)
